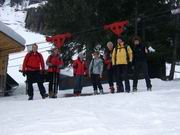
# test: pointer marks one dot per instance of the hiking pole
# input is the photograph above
(57, 83)
(54, 80)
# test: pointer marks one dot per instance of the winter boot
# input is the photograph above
(50, 94)
(149, 89)
(95, 92)
(77, 94)
(128, 91)
(119, 89)
(112, 89)
(134, 89)
(54, 95)
(30, 98)
(101, 91)
(44, 96)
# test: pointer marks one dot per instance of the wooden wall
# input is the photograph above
(7, 46)
(3, 71)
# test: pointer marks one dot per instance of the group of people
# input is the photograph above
(120, 58)
(34, 68)
(117, 59)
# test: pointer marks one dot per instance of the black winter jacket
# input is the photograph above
(139, 53)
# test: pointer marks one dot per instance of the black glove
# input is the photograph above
(130, 66)
(24, 74)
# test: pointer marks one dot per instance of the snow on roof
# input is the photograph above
(11, 33)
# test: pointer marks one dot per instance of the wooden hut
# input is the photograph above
(10, 42)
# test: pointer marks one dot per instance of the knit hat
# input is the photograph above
(120, 39)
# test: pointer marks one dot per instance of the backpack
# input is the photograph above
(127, 55)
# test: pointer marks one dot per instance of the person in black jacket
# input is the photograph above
(140, 63)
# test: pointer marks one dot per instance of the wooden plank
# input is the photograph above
(2, 85)
(10, 50)
(3, 71)
(9, 43)
(4, 63)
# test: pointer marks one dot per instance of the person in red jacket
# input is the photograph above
(54, 63)
(80, 70)
(109, 67)
(33, 67)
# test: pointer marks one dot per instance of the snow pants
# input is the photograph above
(141, 66)
(78, 84)
(110, 75)
(122, 74)
(96, 82)
(53, 78)
(35, 77)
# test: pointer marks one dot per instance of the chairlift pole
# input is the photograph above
(176, 13)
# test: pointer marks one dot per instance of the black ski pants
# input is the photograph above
(78, 84)
(96, 82)
(110, 75)
(122, 74)
(141, 66)
(35, 77)
(53, 82)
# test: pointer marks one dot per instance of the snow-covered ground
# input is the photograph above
(141, 113)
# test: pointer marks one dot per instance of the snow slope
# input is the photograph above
(15, 20)
(141, 113)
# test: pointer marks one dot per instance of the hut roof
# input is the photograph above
(11, 33)
(9, 39)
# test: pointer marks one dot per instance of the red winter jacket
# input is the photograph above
(55, 63)
(33, 62)
(107, 60)
(79, 67)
